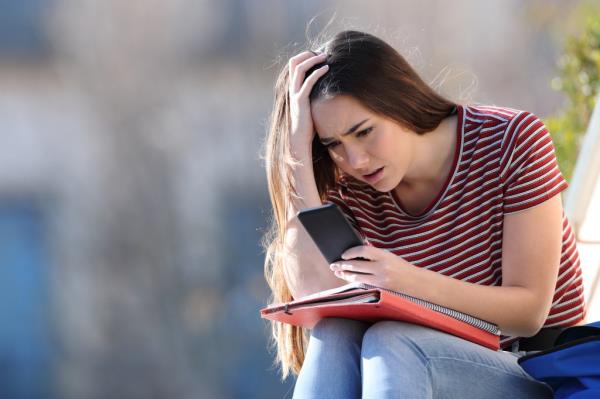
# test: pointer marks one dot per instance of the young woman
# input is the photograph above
(459, 205)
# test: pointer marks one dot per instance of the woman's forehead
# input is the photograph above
(334, 116)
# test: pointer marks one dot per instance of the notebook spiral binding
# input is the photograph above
(474, 321)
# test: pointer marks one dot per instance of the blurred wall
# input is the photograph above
(131, 131)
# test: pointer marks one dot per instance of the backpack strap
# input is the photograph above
(544, 339)
(578, 332)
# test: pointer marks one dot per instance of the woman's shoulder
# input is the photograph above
(491, 113)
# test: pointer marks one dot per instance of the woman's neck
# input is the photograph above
(432, 162)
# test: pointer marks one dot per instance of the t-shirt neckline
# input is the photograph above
(455, 164)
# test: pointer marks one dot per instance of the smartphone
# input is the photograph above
(330, 230)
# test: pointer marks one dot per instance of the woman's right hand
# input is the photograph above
(302, 130)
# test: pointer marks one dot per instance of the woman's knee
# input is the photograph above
(387, 330)
(336, 340)
(338, 329)
(400, 336)
(392, 363)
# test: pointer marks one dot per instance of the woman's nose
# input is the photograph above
(357, 158)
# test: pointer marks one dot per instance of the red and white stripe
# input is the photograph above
(504, 163)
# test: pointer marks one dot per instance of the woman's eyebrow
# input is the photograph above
(350, 131)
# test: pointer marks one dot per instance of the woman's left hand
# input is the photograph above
(383, 269)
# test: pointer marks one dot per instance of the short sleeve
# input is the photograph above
(530, 173)
(339, 196)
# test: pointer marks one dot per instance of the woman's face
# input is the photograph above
(378, 151)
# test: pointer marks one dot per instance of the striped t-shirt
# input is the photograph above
(504, 163)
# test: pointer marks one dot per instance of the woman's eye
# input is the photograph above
(359, 134)
(364, 132)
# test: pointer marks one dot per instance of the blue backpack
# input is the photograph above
(572, 366)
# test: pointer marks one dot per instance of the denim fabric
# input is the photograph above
(391, 359)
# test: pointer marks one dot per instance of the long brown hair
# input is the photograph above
(374, 73)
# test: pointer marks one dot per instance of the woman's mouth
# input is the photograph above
(375, 176)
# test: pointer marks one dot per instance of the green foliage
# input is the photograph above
(579, 79)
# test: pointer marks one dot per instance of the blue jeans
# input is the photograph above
(392, 359)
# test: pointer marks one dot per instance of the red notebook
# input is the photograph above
(365, 302)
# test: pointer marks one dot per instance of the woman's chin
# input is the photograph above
(382, 186)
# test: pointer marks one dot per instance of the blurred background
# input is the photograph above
(132, 192)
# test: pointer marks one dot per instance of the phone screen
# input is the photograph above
(330, 230)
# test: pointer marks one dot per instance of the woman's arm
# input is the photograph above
(305, 269)
(531, 251)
